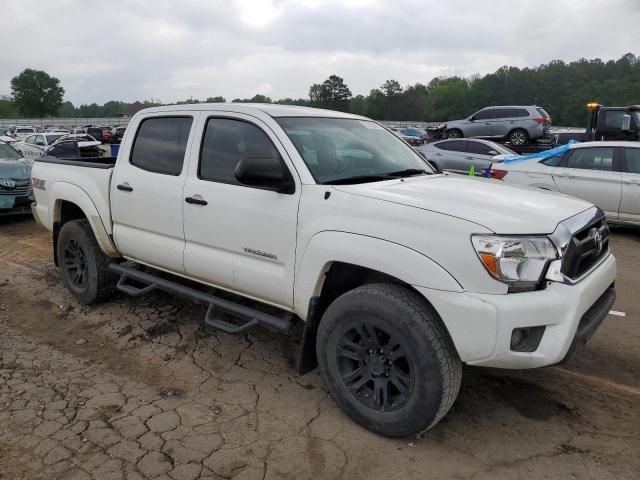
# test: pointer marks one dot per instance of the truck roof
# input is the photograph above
(273, 110)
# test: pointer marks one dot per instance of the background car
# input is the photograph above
(518, 124)
(72, 148)
(34, 145)
(606, 174)
(459, 154)
(411, 140)
(5, 136)
(15, 187)
(95, 132)
(117, 133)
(21, 132)
(415, 132)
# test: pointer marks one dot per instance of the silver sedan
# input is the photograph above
(459, 154)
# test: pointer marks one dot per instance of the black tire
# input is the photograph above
(518, 137)
(422, 360)
(83, 265)
(454, 134)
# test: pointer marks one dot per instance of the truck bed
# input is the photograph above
(90, 162)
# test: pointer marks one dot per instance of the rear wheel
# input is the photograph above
(518, 138)
(83, 265)
(388, 360)
(454, 134)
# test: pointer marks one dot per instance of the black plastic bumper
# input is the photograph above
(592, 319)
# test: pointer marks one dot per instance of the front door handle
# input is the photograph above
(125, 187)
(196, 200)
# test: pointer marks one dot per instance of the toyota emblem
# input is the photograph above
(597, 239)
(7, 184)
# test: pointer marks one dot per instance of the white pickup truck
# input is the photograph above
(400, 273)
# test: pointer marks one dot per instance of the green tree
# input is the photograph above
(391, 88)
(333, 94)
(36, 93)
(215, 100)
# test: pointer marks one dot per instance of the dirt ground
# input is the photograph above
(138, 388)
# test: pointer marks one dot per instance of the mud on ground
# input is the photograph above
(138, 388)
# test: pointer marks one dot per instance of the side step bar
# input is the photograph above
(251, 316)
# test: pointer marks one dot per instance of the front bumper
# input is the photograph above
(481, 325)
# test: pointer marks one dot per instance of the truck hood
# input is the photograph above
(490, 203)
(15, 169)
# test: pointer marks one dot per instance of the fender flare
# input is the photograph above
(399, 261)
(67, 192)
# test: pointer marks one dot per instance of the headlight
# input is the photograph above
(519, 261)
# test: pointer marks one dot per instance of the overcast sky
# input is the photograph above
(172, 50)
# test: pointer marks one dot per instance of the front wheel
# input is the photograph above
(388, 360)
(83, 265)
(454, 134)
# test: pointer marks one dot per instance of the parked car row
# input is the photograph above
(104, 133)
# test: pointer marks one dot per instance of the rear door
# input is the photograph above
(239, 238)
(630, 202)
(478, 155)
(450, 155)
(147, 191)
(592, 174)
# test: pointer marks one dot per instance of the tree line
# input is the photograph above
(561, 88)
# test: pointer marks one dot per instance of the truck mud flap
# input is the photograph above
(248, 316)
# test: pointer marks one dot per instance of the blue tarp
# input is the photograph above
(553, 152)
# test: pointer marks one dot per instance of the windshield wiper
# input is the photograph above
(408, 172)
(359, 179)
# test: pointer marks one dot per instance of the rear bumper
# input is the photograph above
(481, 325)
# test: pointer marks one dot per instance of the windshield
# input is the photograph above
(8, 153)
(53, 138)
(339, 149)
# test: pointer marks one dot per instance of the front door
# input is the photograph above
(593, 175)
(239, 238)
(630, 202)
(478, 155)
(147, 192)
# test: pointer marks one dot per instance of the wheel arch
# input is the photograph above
(73, 203)
(337, 262)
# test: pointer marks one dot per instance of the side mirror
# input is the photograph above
(626, 123)
(492, 152)
(267, 173)
(472, 118)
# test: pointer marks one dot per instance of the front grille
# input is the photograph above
(22, 189)
(586, 247)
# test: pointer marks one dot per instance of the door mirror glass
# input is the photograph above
(626, 123)
(263, 172)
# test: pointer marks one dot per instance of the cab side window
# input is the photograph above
(160, 144)
(600, 158)
(228, 141)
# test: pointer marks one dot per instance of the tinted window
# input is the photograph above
(160, 144)
(225, 143)
(518, 112)
(483, 115)
(600, 158)
(453, 145)
(24, 130)
(613, 119)
(30, 140)
(64, 150)
(552, 161)
(479, 148)
(632, 156)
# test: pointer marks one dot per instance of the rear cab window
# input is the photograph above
(160, 144)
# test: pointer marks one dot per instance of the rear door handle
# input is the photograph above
(125, 187)
(196, 200)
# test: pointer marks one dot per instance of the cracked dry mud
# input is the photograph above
(138, 388)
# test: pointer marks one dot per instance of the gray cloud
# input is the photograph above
(173, 50)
